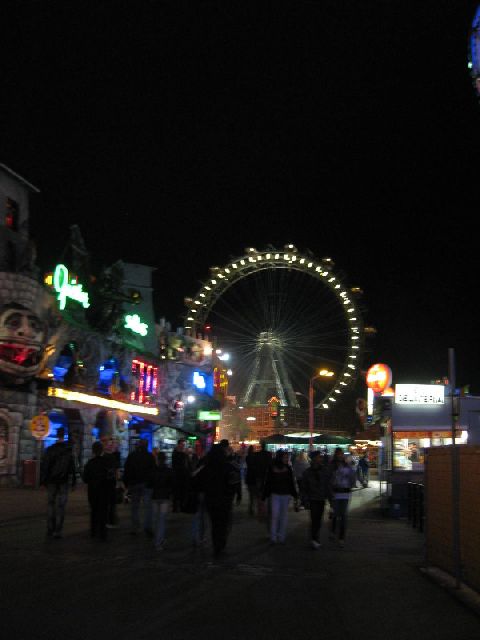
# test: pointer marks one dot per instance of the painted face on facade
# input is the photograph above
(22, 342)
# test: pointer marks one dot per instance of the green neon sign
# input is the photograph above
(209, 415)
(134, 323)
(68, 289)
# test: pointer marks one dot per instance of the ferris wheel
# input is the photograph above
(282, 314)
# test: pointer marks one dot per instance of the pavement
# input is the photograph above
(79, 588)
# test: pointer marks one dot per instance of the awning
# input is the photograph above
(324, 438)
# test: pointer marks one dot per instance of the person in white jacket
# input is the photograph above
(342, 480)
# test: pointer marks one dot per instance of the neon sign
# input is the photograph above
(145, 380)
(101, 401)
(199, 380)
(209, 415)
(134, 323)
(68, 289)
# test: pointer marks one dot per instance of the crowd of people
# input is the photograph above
(205, 487)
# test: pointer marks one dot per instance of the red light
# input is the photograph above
(379, 377)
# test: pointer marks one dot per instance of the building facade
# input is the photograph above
(86, 353)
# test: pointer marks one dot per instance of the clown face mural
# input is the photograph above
(27, 327)
(22, 341)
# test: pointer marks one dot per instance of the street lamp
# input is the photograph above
(323, 373)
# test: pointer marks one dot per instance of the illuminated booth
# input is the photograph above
(418, 417)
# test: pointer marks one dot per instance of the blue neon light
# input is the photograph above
(203, 382)
(106, 373)
(56, 420)
(198, 380)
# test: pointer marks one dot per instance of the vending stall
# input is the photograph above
(421, 417)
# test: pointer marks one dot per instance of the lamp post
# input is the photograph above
(323, 373)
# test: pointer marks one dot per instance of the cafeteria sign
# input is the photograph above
(416, 394)
(40, 426)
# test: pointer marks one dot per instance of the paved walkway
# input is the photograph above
(83, 589)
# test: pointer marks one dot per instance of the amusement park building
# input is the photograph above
(87, 355)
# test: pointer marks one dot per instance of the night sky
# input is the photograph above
(178, 133)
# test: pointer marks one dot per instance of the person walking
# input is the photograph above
(342, 480)
(315, 483)
(219, 480)
(251, 480)
(57, 470)
(111, 456)
(96, 476)
(198, 528)
(353, 462)
(363, 470)
(262, 462)
(300, 465)
(138, 468)
(161, 482)
(181, 474)
(280, 485)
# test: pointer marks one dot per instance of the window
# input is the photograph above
(11, 217)
(409, 447)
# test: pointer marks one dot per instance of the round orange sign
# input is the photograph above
(40, 426)
(379, 377)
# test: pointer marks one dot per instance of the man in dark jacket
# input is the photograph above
(181, 475)
(161, 483)
(138, 468)
(262, 461)
(315, 482)
(220, 481)
(96, 476)
(57, 469)
(111, 456)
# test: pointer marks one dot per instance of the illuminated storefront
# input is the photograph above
(422, 418)
(409, 447)
(417, 418)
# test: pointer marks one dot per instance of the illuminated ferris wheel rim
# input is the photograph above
(254, 261)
